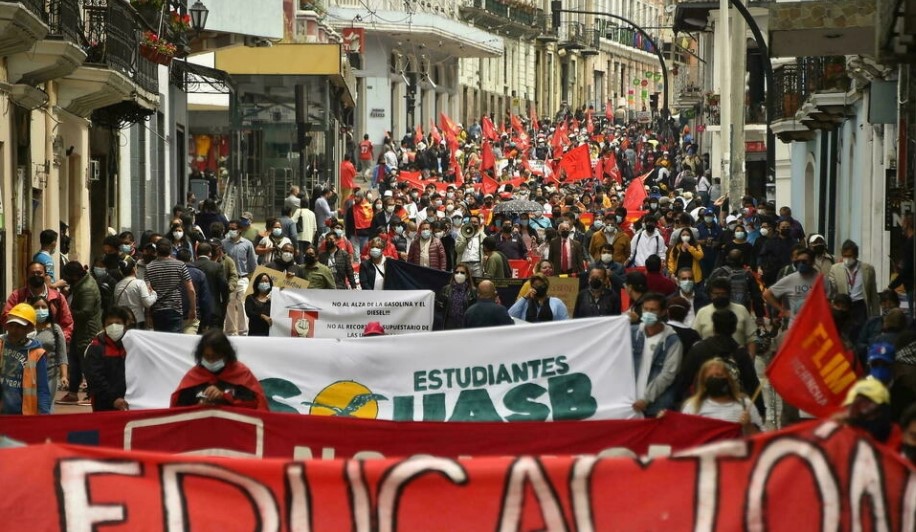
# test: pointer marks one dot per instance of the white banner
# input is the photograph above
(345, 313)
(575, 369)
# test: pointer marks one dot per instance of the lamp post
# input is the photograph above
(658, 52)
(199, 14)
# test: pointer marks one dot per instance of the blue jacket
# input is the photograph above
(665, 363)
(519, 310)
(13, 360)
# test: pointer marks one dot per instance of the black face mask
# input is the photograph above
(595, 284)
(540, 291)
(507, 229)
(717, 386)
(110, 260)
(311, 259)
(720, 302)
(878, 424)
(734, 263)
(785, 232)
(564, 234)
(36, 281)
(650, 228)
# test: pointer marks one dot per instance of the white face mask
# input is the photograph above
(213, 367)
(764, 231)
(849, 262)
(375, 253)
(277, 231)
(460, 278)
(115, 331)
(607, 258)
(287, 257)
(685, 238)
(233, 234)
(178, 234)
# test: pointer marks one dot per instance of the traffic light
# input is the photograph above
(555, 7)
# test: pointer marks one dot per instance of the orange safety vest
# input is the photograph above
(29, 380)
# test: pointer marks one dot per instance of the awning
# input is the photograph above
(191, 77)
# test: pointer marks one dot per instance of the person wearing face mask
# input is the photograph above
(565, 252)
(468, 247)
(271, 244)
(454, 299)
(338, 261)
(686, 253)
(135, 294)
(868, 409)
(857, 279)
(51, 338)
(647, 242)
(709, 235)
(790, 292)
(23, 366)
(598, 299)
(86, 305)
(744, 288)
(317, 274)
(180, 239)
(511, 244)
(719, 289)
(537, 306)
(218, 378)
(427, 250)
(386, 216)
(36, 284)
(372, 269)
(442, 231)
(285, 261)
(657, 353)
(257, 306)
(610, 234)
(888, 300)
(739, 242)
(776, 253)
(241, 252)
(104, 361)
(823, 260)
(717, 396)
(687, 290)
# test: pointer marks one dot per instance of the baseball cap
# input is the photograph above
(815, 237)
(871, 388)
(731, 218)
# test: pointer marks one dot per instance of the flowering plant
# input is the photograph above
(179, 23)
(153, 41)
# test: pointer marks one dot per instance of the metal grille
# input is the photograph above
(786, 96)
(64, 19)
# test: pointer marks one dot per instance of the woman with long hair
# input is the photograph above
(51, 337)
(717, 395)
(257, 306)
(455, 298)
(686, 253)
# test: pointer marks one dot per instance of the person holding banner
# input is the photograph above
(105, 362)
(218, 378)
(536, 306)
(257, 306)
(717, 396)
(453, 301)
(372, 270)
(657, 354)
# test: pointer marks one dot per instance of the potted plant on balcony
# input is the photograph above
(156, 49)
(179, 23)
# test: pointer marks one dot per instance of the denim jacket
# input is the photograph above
(665, 363)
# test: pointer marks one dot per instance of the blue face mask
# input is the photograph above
(213, 367)
(42, 314)
(804, 268)
(649, 318)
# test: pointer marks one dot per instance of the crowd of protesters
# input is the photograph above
(709, 284)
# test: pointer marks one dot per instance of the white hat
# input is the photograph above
(815, 237)
(730, 218)
(688, 196)
(388, 194)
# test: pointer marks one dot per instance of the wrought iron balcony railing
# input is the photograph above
(111, 38)
(37, 7)
(64, 20)
(809, 75)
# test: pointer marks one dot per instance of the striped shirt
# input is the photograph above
(167, 276)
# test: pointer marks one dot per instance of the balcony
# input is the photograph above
(115, 85)
(628, 37)
(835, 27)
(55, 56)
(592, 38)
(809, 95)
(573, 36)
(518, 20)
(22, 24)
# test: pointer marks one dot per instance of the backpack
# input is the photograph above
(738, 281)
(299, 217)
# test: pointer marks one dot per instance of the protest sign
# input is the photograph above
(816, 477)
(280, 279)
(246, 432)
(569, 370)
(566, 289)
(345, 313)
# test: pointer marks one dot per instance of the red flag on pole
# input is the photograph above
(447, 125)
(487, 159)
(418, 134)
(489, 185)
(558, 135)
(517, 125)
(577, 163)
(599, 169)
(813, 370)
(534, 118)
(437, 138)
(489, 131)
(608, 112)
(459, 174)
(633, 197)
(611, 168)
(589, 125)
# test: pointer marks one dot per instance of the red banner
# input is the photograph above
(487, 159)
(816, 477)
(489, 131)
(577, 163)
(521, 268)
(252, 433)
(813, 370)
(633, 198)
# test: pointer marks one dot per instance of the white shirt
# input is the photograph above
(379, 274)
(856, 292)
(472, 252)
(730, 411)
(309, 224)
(643, 245)
(688, 320)
(134, 294)
(269, 244)
(642, 379)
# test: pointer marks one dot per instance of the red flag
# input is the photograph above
(577, 163)
(589, 125)
(418, 134)
(502, 127)
(437, 138)
(534, 118)
(489, 132)
(558, 135)
(813, 370)
(575, 125)
(611, 168)
(608, 112)
(459, 175)
(517, 125)
(487, 160)
(632, 198)
(489, 185)
(447, 125)
(599, 169)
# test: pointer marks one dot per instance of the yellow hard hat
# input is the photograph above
(23, 314)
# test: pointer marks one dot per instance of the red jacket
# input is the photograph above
(60, 309)
(436, 253)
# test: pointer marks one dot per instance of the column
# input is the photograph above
(398, 109)
(737, 69)
(723, 60)
(52, 190)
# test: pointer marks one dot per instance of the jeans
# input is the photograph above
(167, 320)
(236, 321)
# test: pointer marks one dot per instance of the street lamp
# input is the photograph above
(199, 13)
